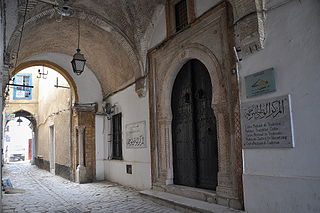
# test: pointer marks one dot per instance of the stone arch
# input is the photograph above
(33, 120)
(82, 112)
(205, 56)
(53, 66)
(27, 115)
(219, 102)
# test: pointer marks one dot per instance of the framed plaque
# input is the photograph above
(136, 135)
(260, 83)
(267, 123)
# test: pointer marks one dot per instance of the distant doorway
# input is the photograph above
(52, 149)
(194, 132)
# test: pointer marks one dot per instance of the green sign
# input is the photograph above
(260, 83)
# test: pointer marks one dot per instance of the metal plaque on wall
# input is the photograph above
(260, 83)
(267, 123)
(136, 135)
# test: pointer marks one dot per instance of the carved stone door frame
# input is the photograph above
(208, 42)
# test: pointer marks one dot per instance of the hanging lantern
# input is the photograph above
(19, 121)
(78, 62)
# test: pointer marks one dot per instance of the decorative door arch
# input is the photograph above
(208, 42)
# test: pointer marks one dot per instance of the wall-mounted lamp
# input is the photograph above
(78, 62)
(108, 109)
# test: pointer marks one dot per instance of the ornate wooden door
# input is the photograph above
(205, 128)
(195, 158)
(184, 149)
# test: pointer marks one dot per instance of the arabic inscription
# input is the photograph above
(267, 123)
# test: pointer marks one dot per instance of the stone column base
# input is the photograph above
(81, 174)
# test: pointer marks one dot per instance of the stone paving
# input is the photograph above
(40, 191)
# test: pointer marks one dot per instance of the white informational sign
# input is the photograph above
(267, 123)
(20, 94)
(136, 135)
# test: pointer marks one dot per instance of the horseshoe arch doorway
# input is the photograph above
(194, 132)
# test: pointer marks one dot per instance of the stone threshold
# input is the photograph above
(185, 204)
(189, 192)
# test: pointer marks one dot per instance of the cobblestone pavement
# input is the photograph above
(40, 191)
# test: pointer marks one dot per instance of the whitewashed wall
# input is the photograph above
(158, 28)
(201, 6)
(133, 109)
(158, 31)
(288, 179)
(101, 146)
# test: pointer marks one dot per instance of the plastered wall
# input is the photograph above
(201, 6)
(159, 32)
(54, 109)
(133, 109)
(288, 179)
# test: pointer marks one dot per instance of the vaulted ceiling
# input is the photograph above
(113, 36)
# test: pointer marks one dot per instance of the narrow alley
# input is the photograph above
(36, 190)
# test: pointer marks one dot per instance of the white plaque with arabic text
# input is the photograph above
(267, 123)
(136, 135)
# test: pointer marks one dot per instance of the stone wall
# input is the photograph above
(61, 170)
(42, 164)
(84, 116)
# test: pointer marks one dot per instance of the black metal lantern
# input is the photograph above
(19, 121)
(78, 62)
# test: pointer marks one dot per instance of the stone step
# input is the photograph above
(185, 204)
(189, 192)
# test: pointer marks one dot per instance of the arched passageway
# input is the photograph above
(61, 103)
(45, 97)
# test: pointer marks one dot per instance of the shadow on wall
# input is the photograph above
(60, 170)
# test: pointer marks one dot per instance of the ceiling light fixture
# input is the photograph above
(65, 11)
(78, 62)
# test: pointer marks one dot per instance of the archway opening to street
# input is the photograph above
(39, 108)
